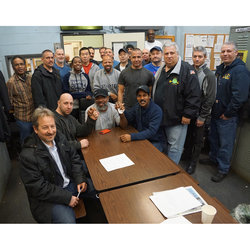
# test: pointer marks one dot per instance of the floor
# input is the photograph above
(14, 207)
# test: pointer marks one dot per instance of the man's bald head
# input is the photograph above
(65, 104)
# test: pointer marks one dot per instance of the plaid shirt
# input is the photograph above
(20, 96)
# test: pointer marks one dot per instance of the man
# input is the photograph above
(124, 59)
(51, 171)
(131, 78)
(92, 55)
(109, 52)
(146, 116)
(129, 48)
(145, 57)
(108, 115)
(156, 59)
(176, 90)
(46, 83)
(207, 81)
(88, 67)
(151, 42)
(107, 78)
(68, 124)
(4, 110)
(20, 95)
(60, 63)
(233, 83)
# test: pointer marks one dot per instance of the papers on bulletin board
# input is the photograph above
(116, 162)
(210, 41)
(188, 52)
(179, 201)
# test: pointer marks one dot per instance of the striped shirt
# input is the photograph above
(20, 96)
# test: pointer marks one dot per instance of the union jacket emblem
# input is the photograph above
(226, 76)
(174, 81)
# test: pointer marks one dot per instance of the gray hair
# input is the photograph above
(170, 44)
(40, 112)
(200, 49)
(231, 43)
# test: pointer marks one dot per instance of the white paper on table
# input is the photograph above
(116, 162)
(177, 220)
(174, 202)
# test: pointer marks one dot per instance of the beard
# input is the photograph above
(103, 108)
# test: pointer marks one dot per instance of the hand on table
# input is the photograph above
(125, 138)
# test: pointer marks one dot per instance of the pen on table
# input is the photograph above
(78, 194)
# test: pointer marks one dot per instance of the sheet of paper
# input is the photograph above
(220, 39)
(188, 52)
(197, 41)
(189, 60)
(217, 47)
(189, 41)
(208, 52)
(210, 41)
(174, 202)
(177, 220)
(204, 41)
(226, 38)
(217, 62)
(116, 162)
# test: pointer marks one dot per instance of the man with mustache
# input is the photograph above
(51, 171)
(108, 115)
(146, 116)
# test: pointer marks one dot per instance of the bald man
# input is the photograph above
(69, 126)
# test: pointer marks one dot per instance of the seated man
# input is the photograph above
(51, 172)
(70, 126)
(108, 115)
(145, 116)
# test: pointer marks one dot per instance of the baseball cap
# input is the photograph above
(122, 49)
(101, 92)
(156, 48)
(143, 88)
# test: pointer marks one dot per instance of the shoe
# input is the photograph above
(190, 169)
(207, 161)
(218, 177)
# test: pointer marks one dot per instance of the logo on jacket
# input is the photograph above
(174, 81)
(192, 72)
(226, 76)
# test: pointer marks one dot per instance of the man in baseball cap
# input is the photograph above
(145, 116)
(156, 59)
(108, 115)
(124, 59)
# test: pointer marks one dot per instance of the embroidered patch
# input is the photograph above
(226, 76)
(174, 81)
(192, 72)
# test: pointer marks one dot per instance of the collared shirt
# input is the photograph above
(53, 152)
(20, 96)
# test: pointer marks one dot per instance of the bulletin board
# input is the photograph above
(212, 43)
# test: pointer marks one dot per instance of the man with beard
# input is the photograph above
(107, 78)
(108, 115)
(145, 116)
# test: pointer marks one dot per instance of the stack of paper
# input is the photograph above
(177, 201)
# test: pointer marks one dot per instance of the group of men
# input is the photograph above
(168, 101)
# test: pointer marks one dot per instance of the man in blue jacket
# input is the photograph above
(145, 116)
(232, 92)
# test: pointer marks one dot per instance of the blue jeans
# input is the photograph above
(25, 129)
(64, 213)
(175, 138)
(221, 139)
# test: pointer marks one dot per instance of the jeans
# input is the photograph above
(25, 129)
(221, 139)
(175, 138)
(64, 213)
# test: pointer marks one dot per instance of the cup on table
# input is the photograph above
(207, 214)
